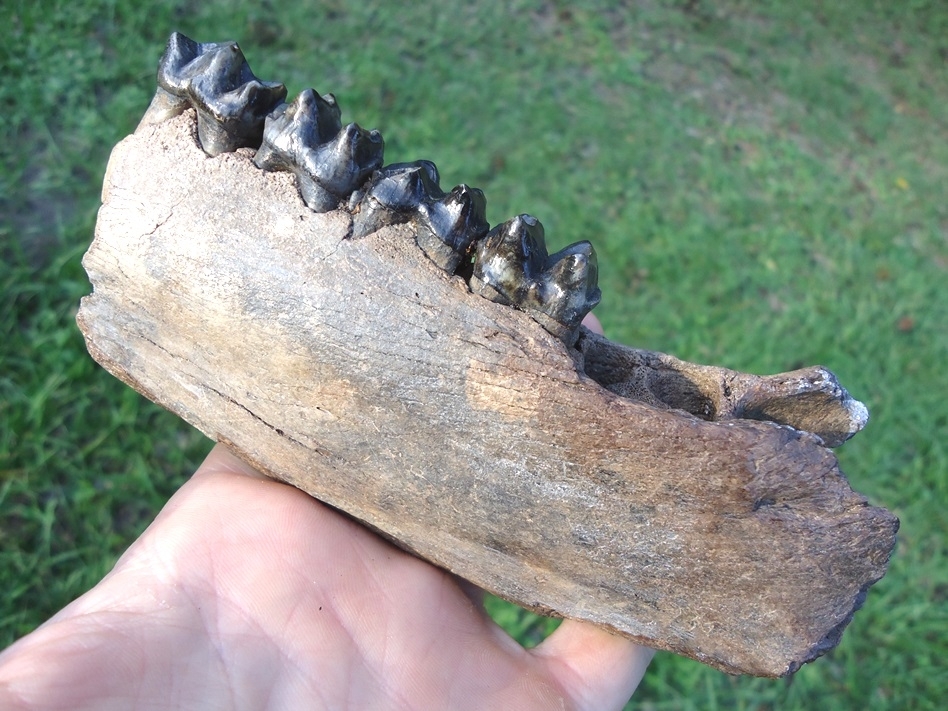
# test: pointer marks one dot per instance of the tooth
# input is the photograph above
(572, 283)
(456, 221)
(402, 187)
(215, 79)
(292, 133)
(173, 100)
(505, 264)
(310, 120)
(393, 195)
(340, 166)
(511, 266)
(448, 223)
(306, 138)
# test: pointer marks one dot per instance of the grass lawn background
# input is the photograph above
(765, 184)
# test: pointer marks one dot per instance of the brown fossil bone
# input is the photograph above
(653, 497)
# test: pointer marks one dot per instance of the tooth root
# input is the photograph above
(512, 266)
(164, 105)
(215, 79)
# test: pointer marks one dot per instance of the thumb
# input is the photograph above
(596, 669)
(222, 460)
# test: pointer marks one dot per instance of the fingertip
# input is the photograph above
(222, 460)
(595, 668)
(592, 323)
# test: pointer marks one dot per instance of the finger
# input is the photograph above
(596, 669)
(222, 460)
(473, 593)
(592, 323)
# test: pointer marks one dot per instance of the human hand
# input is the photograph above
(246, 593)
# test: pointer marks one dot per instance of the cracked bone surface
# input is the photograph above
(684, 506)
(810, 399)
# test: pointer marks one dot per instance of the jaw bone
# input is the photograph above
(689, 507)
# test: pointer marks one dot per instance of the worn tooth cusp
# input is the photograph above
(214, 78)
(512, 266)
(306, 138)
(448, 223)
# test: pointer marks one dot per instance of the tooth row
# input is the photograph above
(447, 223)
(512, 266)
(336, 166)
(214, 78)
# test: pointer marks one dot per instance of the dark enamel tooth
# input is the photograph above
(455, 221)
(306, 138)
(511, 266)
(292, 129)
(340, 166)
(402, 187)
(505, 262)
(171, 98)
(235, 119)
(459, 217)
(447, 223)
(327, 118)
(574, 274)
(216, 80)
(393, 195)
(290, 138)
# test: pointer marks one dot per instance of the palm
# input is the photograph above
(246, 593)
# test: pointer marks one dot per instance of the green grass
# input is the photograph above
(764, 182)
